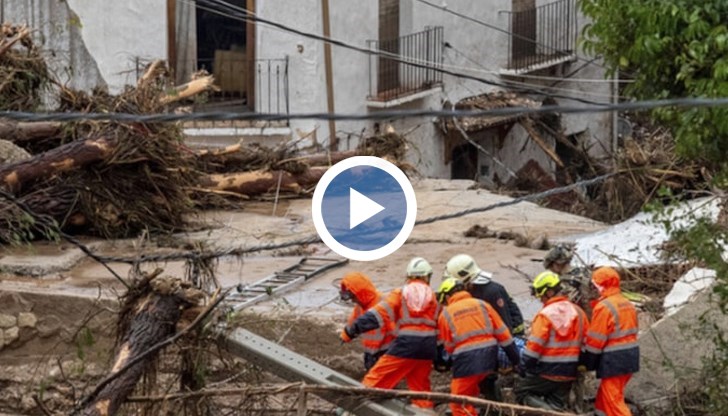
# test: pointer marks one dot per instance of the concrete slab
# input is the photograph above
(672, 351)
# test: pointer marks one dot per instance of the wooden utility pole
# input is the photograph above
(172, 35)
(333, 140)
(251, 73)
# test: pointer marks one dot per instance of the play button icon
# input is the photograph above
(364, 208)
(361, 208)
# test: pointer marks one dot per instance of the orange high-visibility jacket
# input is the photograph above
(413, 310)
(471, 331)
(557, 334)
(611, 341)
(377, 340)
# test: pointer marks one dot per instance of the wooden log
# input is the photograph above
(25, 132)
(61, 159)
(259, 182)
(188, 90)
(152, 318)
(528, 125)
(321, 159)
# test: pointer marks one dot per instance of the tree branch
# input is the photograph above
(364, 392)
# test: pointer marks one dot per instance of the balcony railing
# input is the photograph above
(260, 85)
(542, 36)
(390, 79)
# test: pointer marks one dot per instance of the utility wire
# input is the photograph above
(315, 239)
(496, 28)
(380, 115)
(549, 87)
(225, 9)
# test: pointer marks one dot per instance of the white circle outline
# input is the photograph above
(410, 216)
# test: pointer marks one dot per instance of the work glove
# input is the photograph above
(346, 336)
(519, 331)
(581, 368)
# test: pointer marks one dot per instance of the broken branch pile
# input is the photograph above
(114, 179)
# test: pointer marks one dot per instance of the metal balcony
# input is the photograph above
(541, 37)
(394, 79)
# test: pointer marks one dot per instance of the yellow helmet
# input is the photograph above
(448, 286)
(545, 281)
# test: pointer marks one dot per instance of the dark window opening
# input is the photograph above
(222, 51)
(464, 162)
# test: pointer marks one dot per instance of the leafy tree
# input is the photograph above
(671, 48)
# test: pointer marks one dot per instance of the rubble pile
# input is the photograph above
(647, 169)
(115, 179)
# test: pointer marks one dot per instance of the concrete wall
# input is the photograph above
(95, 43)
(103, 39)
(475, 50)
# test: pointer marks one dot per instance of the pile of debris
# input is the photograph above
(115, 179)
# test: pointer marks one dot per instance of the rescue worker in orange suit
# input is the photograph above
(470, 331)
(356, 287)
(481, 285)
(551, 356)
(611, 346)
(413, 310)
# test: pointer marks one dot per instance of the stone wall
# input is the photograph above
(35, 324)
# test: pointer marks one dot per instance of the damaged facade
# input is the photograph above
(265, 69)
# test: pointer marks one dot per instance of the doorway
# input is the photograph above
(464, 162)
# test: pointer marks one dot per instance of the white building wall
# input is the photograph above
(95, 42)
(104, 39)
(116, 33)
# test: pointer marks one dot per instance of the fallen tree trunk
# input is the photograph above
(61, 159)
(149, 317)
(261, 182)
(321, 159)
(24, 132)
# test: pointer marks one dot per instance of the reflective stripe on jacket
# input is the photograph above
(415, 334)
(557, 334)
(612, 335)
(377, 340)
(471, 331)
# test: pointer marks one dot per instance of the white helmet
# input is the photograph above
(419, 267)
(463, 267)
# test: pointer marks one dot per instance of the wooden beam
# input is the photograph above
(528, 125)
(333, 140)
(250, 56)
(172, 36)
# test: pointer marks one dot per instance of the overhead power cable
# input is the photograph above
(225, 9)
(551, 87)
(499, 29)
(206, 255)
(379, 115)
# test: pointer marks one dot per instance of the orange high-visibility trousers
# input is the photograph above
(466, 386)
(610, 397)
(390, 370)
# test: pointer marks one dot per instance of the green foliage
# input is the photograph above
(671, 48)
(84, 341)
